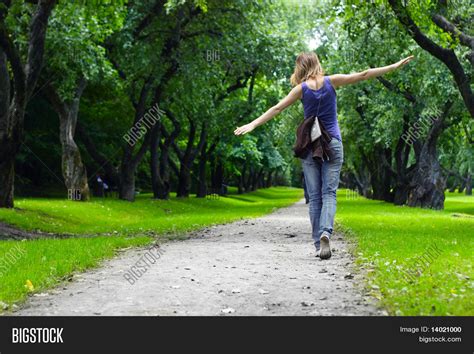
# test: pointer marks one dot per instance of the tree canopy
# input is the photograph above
(76, 77)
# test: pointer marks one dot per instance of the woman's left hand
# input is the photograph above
(244, 129)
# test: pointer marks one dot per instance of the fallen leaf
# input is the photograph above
(29, 285)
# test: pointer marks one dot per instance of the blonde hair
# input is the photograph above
(307, 66)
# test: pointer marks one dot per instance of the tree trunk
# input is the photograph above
(217, 178)
(187, 158)
(127, 182)
(261, 180)
(160, 174)
(24, 81)
(428, 183)
(7, 175)
(255, 179)
(162, 187)
(362, 181)
(380, 175)
(9, 142)
(402, 177)
(268, 183)
(157, 184)
(451, 183)
(241, 184)
(202, 187)
(73, 170)
(131, 160)
(165, 189)
(248, 180)
(203, 154)
(400, 195)
(469, 185)
(184, 179)
(462, 186)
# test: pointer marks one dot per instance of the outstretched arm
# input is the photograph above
(291, 98)
(346, 79)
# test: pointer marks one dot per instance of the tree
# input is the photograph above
(392, 135)
(454, 37)
(22, 79)
(78, 30)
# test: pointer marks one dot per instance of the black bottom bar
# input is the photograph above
(292, 334)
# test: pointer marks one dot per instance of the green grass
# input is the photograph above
(102, 216)
(36, 265)
(389, 238)
(43, 263)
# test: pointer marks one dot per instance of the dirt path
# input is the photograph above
(262, 266)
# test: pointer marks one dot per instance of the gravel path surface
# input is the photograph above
(263, 266)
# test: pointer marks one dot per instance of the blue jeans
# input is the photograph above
(322, 180)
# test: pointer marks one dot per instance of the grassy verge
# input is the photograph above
(32, 266)
(36, 265)
(398, 247)
(103, 216)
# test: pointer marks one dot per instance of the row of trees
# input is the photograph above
(408, 135)
(207, 65)
(76, 77)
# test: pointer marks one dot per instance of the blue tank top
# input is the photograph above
(325, 99)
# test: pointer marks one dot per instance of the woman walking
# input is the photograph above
(317, 93)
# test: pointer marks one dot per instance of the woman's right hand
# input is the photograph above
(404, 62)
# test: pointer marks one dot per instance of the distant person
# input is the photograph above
(224, 189)
(102, 187)
(323, 165)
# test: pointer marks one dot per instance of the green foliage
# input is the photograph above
(75, 39)
(363, 34)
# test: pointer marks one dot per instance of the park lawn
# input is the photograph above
(113, 216)
(36, 265)
(33, 266)
(388, 240)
